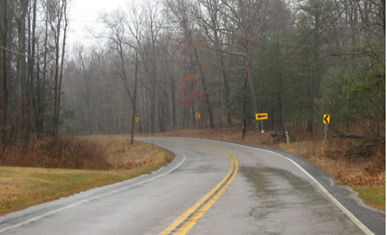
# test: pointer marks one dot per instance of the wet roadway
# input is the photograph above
(250, 191)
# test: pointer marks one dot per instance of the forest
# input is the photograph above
(158, 63)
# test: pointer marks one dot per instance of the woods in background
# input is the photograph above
(225, 59)
(32, 45)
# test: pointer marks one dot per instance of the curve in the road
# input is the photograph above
(190, 217)
(99, 192)
(330, 193)
(270, 195)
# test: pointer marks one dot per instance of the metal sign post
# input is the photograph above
(325, 136)
(287, 137)
(198, 116)
(262, 130)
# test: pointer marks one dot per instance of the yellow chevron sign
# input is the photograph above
(326, 118)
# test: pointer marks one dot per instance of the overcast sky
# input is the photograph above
(84, 16)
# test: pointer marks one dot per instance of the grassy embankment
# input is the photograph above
(21, 187)
(366, 175)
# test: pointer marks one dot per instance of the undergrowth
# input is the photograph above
(98, 152)
(59, 152)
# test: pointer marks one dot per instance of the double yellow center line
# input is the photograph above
(191, 216)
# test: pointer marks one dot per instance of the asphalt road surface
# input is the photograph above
(211, 187)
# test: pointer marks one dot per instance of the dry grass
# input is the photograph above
(374, 195)
(21, 187)
(345, 170)
(60, 152)
(227, 134)
(119, 154)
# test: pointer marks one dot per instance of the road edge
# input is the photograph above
(340, 193)
(33, 213)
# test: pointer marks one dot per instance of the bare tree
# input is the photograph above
(181, 11)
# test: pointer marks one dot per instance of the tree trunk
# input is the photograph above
(61, 66)
(205, 90)
(134, 101)
(4, 85)
(57, 30)
(173, 102)
(226, 90)
(32, 74)
(20, 70)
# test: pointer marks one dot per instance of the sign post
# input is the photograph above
(326, 121)
(198, 116)
(261, 117)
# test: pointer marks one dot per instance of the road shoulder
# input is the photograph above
(370, 217)
(34, 213)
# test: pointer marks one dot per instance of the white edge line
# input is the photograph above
(91, 199)
(351, 216)
(354, 219)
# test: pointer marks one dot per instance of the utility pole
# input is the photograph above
(134, 99)
(246, 74)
